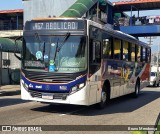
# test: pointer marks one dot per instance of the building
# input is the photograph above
(11, 26)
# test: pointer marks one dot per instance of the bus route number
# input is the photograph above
(55, 26)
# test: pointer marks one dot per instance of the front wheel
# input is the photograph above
(137, 90)
(154, 84)
(158, 84)
(103, 101)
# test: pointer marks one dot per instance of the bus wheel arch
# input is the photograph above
(107, 87)
(137, 88)
(105, 95)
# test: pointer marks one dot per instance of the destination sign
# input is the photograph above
(55, 25)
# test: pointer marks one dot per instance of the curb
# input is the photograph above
(10, 93)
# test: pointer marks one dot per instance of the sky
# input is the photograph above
(17, 4)
(11, 4)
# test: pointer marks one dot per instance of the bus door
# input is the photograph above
(94, 69)
(115, 73)
(116, 69)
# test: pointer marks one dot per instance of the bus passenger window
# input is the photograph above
(107, 48)
(117, 49)
(148, 55)
(95, 52)
(133, 52)
(139, 53)
(125, 50)
(143, 54)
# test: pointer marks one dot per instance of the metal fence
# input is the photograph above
(11, 27)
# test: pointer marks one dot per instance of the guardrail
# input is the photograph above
(137, 21)
(11, 27)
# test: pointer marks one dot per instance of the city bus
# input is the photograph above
(79, 61)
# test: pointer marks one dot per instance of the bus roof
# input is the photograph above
(56, 18)
(119, 34)
(111, 31)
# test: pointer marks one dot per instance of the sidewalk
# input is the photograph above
(7, 90)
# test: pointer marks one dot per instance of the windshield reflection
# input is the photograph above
(54, 54)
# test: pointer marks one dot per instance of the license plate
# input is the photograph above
(47, 96)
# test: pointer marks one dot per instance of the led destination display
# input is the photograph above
(55, 25)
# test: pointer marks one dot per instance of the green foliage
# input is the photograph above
(139, 132)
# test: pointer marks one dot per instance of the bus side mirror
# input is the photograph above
(16, 48)
(19, 58)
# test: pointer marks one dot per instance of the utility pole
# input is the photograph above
(150, 39)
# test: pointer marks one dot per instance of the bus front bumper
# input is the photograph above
(79, 98)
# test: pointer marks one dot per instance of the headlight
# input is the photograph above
(22, 81)
(77, 87)
(25, 85)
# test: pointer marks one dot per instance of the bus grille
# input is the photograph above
(37, 94)
(49, 77)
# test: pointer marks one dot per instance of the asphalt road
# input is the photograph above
(125, 110)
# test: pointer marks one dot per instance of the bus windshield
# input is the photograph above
(65, 53)
(153, 74)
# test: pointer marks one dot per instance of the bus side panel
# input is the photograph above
(95, 87)
(128, 74)
(121, 75)
(114, 72)
(143, 72)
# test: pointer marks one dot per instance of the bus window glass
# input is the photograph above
(107, 48)
(95, 51)
(51, 53)
(138, 53)
(125, 50)
(143, 54)
(95, 33)
(133, 52)
(148, 55)
(117, 48)
(153, 74)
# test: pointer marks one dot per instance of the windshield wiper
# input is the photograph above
(16, 49)
(64, 40)
(58, 48)
(37, 37)
(55, 54)
(39, 40)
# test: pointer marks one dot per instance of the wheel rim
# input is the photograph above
(104, 97)
(137, 90)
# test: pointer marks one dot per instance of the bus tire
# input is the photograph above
(137, 90)
(154, 84)
(104, 98)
